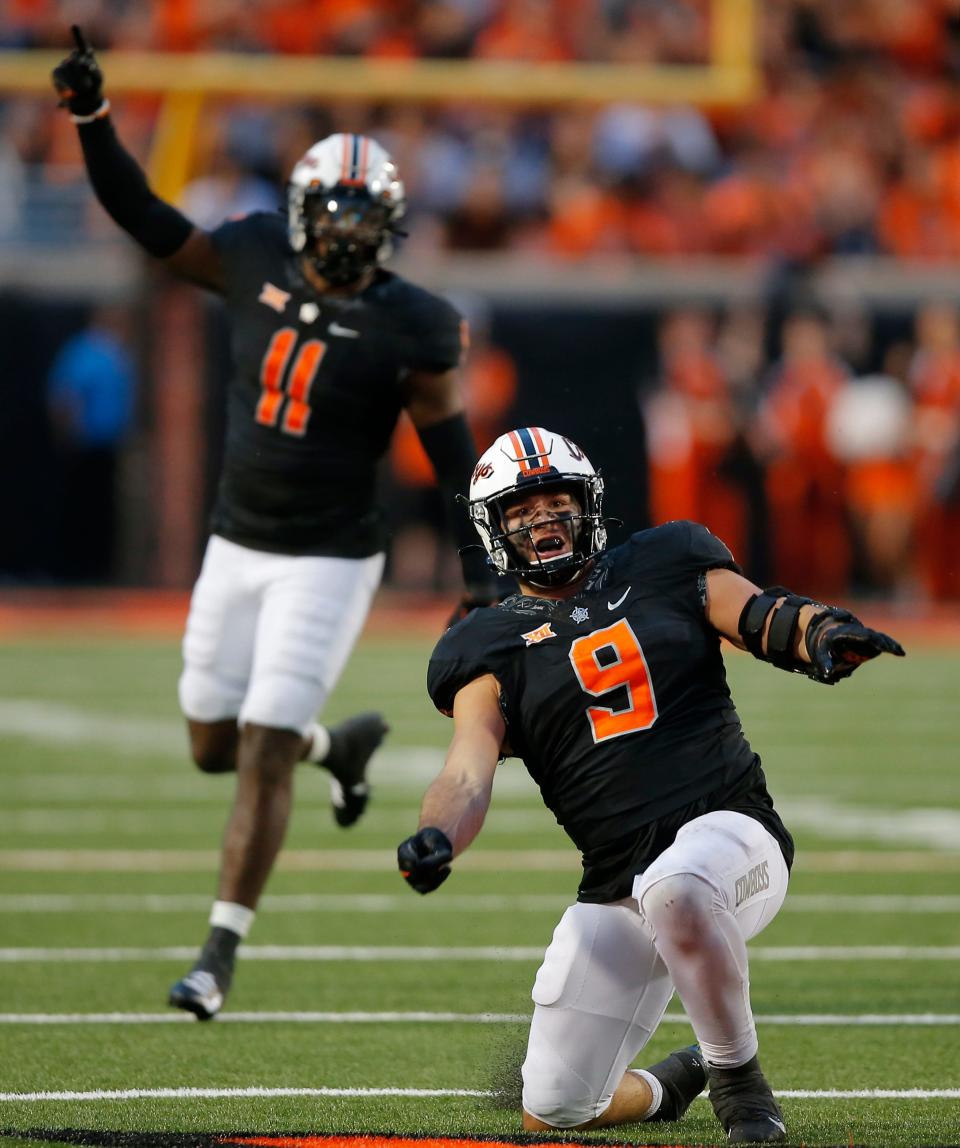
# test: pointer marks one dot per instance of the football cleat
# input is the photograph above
(683, 1075)
(352, 744)
(198, 992)
(744, 1104)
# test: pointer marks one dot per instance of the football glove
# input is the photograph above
(78, 79)
(424, 859)
(836, 650)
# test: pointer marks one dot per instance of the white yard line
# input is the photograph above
(802, 1020)
(563, 861)
(415, 1093)
(395, 767)
(396, 953)
(844, 903)
(937, 828)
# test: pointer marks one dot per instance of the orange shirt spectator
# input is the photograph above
(805, 482)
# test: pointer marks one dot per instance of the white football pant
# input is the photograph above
(268, 635)
(610, 970)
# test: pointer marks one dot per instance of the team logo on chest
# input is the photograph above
(273, 297)
(579, 614)
(539, 634)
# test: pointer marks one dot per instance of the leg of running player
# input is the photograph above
(720, 883)
(213, 744)
(599, 995)
(339, 748)
(310, 613)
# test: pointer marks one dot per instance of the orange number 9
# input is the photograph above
(628, 668)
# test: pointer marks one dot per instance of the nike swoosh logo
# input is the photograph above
(620, 600)
(343, 332)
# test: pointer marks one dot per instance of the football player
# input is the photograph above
(604, 674)
(328, 348)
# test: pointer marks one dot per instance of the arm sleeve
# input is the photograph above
(123, 191)
(452, 452)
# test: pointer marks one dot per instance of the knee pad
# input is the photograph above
(679, 907)
(206, 697)
(555, 1094)
(283, 701)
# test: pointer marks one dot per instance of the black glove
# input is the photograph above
(424, 859)
(78, 79)
(836, 650)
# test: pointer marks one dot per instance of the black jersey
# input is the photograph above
(315, 394)
(616, 699)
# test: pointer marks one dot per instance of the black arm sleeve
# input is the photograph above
(451, 449)
(122, 189)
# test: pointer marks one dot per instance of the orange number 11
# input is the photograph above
(273, 372)
(624, 665)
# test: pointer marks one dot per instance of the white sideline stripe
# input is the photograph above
(859, 1020)
(463, 902)
(482, 860)
(229, 1093)
(455, 953)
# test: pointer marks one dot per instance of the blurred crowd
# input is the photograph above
(829, 458)
(819, 470)
(852, 147)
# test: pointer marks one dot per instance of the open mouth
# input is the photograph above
(550, 545)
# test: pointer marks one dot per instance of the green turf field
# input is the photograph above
(108, 845)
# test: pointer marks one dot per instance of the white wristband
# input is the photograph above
(102, 111)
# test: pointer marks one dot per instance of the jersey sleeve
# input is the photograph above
(674, 556)
(705, 551)
(246, 245)
(462, 654)
(435, 333)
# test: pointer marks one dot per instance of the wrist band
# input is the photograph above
(102, 111)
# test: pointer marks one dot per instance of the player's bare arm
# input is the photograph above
(456, 803)
(792, 632)
(119, 182)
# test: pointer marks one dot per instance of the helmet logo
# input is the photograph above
(574, 450)
(484, 470)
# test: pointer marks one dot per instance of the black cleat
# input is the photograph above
(744, 1104)
(203, 990)
(683, 1075)
(352, 744)
(198, 992)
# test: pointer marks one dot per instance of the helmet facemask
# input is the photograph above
(531, 544)
(346, 233)
(344, 201)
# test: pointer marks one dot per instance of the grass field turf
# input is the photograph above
(94, 773)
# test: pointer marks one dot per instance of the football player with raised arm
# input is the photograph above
(604, 674)
(328, 349)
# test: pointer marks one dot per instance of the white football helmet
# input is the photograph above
(534, 458)
(344, 199)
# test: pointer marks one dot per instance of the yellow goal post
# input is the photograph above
(730, 76)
